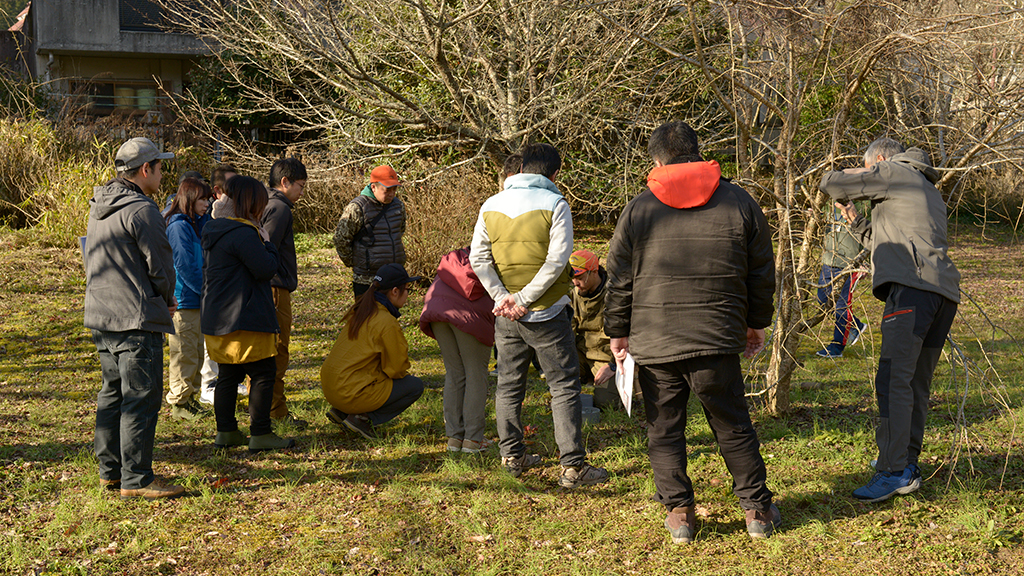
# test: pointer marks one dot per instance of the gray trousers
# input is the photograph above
(915, 324)
(555, 345)
(132, 364)
(465, 381)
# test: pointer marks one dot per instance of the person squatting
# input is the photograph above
(217, 269)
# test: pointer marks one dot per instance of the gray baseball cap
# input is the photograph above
(136, 152)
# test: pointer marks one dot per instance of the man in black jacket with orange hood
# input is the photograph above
(691, 280)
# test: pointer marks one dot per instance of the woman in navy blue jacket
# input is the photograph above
(185, 221)
(239, 321)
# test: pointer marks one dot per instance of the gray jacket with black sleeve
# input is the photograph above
(907, 232)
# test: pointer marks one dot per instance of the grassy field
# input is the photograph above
(403, 505)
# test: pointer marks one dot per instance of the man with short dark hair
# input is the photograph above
(369, 234)
(520, 252)
(913, 274)
(129, 299)
(691, 281)
(287, 182)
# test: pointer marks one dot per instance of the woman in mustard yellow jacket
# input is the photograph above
(366, 376)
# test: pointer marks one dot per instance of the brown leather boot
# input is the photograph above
(682, 524)
(762, 524)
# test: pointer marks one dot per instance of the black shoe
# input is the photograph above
(360, 425)
(336, 416)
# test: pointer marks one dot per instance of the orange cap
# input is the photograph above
(582, 261)
(385, 175)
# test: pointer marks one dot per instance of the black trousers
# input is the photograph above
(717, 381)
(915, 324)
(261, 394)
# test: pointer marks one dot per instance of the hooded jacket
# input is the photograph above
(458, 298)
(237, 269)
(188, 260)
(129, 267)
(278, 221)
(521, 246)
(907, 232)
(690, 267)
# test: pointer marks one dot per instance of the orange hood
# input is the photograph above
(686, 185)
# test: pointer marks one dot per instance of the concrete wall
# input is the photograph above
(76, 26)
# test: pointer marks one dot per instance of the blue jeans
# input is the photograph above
(555, 345)
(132, 364)
(844, 318)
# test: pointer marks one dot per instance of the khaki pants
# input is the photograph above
(283, 305)
(186, 346)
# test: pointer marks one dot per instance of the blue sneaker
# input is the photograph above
(856, 332)
(833, 350)
(885, 485)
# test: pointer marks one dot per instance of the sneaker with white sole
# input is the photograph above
(585, 475)
(856, 332)
(885, 485)
(206, 396)
(833, 350)
(516, 466)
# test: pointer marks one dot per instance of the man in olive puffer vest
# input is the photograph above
(913, 274)
(520, 252)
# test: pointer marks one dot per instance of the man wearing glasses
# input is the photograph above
(369, 234)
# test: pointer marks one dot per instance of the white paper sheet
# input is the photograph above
(624, 383)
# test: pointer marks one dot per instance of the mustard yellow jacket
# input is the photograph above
(356, 376)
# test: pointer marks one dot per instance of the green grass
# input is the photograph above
(402, 504)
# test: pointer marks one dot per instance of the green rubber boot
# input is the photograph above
(269, 442)
(229, 439)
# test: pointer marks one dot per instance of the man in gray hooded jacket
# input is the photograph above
(129, 299)
(913, 274)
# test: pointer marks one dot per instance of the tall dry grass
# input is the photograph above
(48, 171)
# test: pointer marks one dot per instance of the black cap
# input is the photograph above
(393, 275)
(190, 174)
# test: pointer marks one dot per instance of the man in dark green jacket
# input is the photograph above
(913, 274)
(841, 249)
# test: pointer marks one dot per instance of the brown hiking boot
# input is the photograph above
(112, 485)
(762, 524)
(155, 491)
(681, 524)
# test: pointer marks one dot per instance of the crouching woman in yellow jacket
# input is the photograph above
(366, 376)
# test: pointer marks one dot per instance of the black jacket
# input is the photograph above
(277, 221)
(237, 268)
(690, 267)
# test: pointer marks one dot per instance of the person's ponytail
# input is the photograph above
(361, 312)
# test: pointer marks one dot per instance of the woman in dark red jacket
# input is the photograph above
(458, 313)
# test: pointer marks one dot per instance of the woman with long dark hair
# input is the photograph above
(238, 315)
(366, 376)
(185, 221)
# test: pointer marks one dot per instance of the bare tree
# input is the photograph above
(807, 85)
(460, 80)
